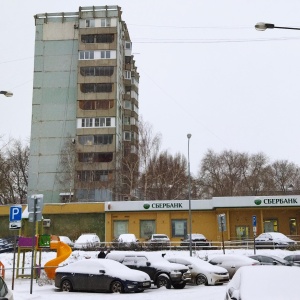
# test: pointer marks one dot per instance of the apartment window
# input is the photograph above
(87, 122)
(147, 228)
(104, 54)
(95, 175)
(127, 120)
(127, 136)
(97, 38)
(96, 87)
(105, 22)
(127, 74)
(97, 71)
(86, 139)
(127, 45)
(103, 139)
(102, 122)
(86, 55)
(96, 122)
(127, 60)
(133, 149)
(96, 104)
(127, 104)
(95, 157)
(179, 228)
(89, 23)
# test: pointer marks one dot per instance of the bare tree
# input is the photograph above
(285, 175)
(167, 177)
(14, 158)
(67, 167)
(149, 145)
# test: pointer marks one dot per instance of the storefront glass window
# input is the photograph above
(120, 227)
(293, 226)
(147, 228)
(271, 225)
(242, 232)
(179, 228)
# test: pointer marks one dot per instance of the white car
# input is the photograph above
(202, 271)
(87, 241)
(127, 238)
(5, 292)
(232, 262)
(66, 240)
(273, 240)
(264, 283)
(159, 240)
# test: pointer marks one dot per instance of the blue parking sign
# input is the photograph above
(254, 221)
(15, 213)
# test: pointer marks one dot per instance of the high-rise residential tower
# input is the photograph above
(84, 107)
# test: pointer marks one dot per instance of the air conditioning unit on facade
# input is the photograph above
(46, 223)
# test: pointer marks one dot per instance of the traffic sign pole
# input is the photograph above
(254, 232)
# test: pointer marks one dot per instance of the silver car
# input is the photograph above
(232, 262)
(202, 271)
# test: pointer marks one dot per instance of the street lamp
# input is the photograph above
(6, 93)
(263, 26)
(190, 208)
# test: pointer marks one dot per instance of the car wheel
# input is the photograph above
(201, 279)
(179, 286)
(163, 280)
(116, 287)
(66, 286)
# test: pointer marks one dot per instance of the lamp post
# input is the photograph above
(6, 93)
(263, 26)
(190, 206)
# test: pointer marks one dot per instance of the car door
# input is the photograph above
(143, 264)
(98, 280)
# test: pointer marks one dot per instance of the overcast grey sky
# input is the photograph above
(203, 68)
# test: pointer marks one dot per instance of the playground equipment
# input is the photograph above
(43, 241)
(63, 252)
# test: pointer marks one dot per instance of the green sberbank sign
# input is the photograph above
(276, 201)
(163, 205)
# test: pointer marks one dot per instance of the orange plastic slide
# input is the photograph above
(63, 252)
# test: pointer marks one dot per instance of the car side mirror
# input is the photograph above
(274, 262)
(102, 271)
(148, 264)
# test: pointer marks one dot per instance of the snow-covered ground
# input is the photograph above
(22, 287)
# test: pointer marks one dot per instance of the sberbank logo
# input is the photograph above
(146, 206)
(257, 201)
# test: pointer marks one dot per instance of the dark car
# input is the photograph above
(273, 240)
(100, 275)
(294, 259)
(271, 260)
(161, 271)
(6, 245)
(5, 292)
(198, 240)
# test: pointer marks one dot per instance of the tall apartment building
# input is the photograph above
(84, 107)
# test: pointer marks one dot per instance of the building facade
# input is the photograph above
(171, 217)
(84, 108)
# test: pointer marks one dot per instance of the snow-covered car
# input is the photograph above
(232, 262)
(161, 271)
(197, 239)
(273, 240)
(126, 240)
(87, 241)
(202, 271)
(158, 240)
(5, 292)
(66, 240)
(272, 260)
(100, 275)
(264, 283)
(294, 259)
